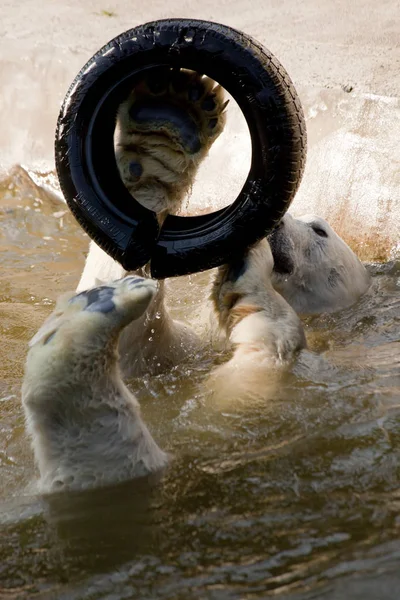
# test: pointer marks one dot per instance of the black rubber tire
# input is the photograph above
(87, 167)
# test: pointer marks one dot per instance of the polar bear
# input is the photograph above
(85, 425)
(314, 269)
(164, 130)
(265, 332)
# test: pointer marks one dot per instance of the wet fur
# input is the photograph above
(85, 425)
(315, 271)
(264, 332)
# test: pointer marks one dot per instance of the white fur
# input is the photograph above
(324, 274)
(265, 332)
(85, 425)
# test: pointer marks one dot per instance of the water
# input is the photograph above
(296, 496)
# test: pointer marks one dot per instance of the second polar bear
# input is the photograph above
(314, 270)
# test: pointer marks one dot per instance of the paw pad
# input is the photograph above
(135, 170)
(98, 299)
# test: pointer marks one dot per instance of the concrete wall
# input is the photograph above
(343, 57)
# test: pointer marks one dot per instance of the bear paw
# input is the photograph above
(95, 314)
(164, 129)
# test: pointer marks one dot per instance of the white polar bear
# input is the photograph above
(265, 333)
(164, 130)
(85, 425)
(314, 270)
